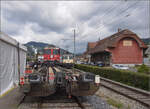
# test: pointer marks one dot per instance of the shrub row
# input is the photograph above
(126, 77)
(144, 69)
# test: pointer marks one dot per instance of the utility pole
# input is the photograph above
(65, 47)
(74, 42)
(74, 52)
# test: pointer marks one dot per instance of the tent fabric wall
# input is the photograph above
(9, 62)
(22, 62)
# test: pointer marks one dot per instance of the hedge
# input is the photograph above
(144, 69)
(126, 77)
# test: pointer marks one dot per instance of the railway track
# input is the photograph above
(141, 96)
(138, 95)
(59, 100)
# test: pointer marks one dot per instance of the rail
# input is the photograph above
(53, 102)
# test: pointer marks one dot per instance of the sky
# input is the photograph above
(53, 22)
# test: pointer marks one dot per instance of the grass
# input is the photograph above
(114, 103)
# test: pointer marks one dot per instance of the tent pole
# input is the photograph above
(19, 63)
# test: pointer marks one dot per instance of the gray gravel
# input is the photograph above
(11, 99)
(97, 102)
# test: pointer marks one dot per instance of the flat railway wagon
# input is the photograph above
(38, 81)
(47, 79)
(82, 83)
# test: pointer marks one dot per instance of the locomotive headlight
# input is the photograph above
(97, 79)
(51, 56)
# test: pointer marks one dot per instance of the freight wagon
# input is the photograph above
(48, 78)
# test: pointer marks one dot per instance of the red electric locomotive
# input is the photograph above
(51, 54)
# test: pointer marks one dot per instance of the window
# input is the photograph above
(65, 57)
(70, 57)
(47, 51)
(127, 43)
(55, 51)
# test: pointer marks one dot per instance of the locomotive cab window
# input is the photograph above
(65, 57)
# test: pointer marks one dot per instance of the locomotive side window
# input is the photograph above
(65, 57)
(47, 51)
(55, 52)
(70, 57)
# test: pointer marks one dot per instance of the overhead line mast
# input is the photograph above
(74, 52)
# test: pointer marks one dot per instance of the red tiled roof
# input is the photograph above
(91, 45)
(112, 40)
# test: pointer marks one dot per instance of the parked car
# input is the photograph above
(79, 62)
(120, 67)
(91, 63)
(100, 63)
(85, 63)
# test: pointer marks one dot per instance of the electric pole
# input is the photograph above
(74, 51)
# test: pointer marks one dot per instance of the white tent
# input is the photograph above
(12, 55)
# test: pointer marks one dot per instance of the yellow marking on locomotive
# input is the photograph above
(67, 60)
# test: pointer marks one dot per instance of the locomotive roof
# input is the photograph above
(67, 55)
(51, 48)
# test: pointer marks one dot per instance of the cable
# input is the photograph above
(109, 10)
(121, 12)
(112, 21)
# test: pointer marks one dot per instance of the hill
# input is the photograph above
(31, 46)
(146, 41)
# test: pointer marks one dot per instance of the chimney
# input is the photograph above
(119, 29)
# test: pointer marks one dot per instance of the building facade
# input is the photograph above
(123, 47)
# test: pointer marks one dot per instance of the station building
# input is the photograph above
(123, 47)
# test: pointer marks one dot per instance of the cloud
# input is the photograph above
(54, 21)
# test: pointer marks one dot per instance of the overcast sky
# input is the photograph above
(53, 22)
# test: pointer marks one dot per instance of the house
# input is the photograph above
(91, 45)
(40, 57)
(123, 47)
(86, 54)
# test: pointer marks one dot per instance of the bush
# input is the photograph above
(134, 79)
(143, 69)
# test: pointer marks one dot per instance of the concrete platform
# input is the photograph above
(11, 99)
